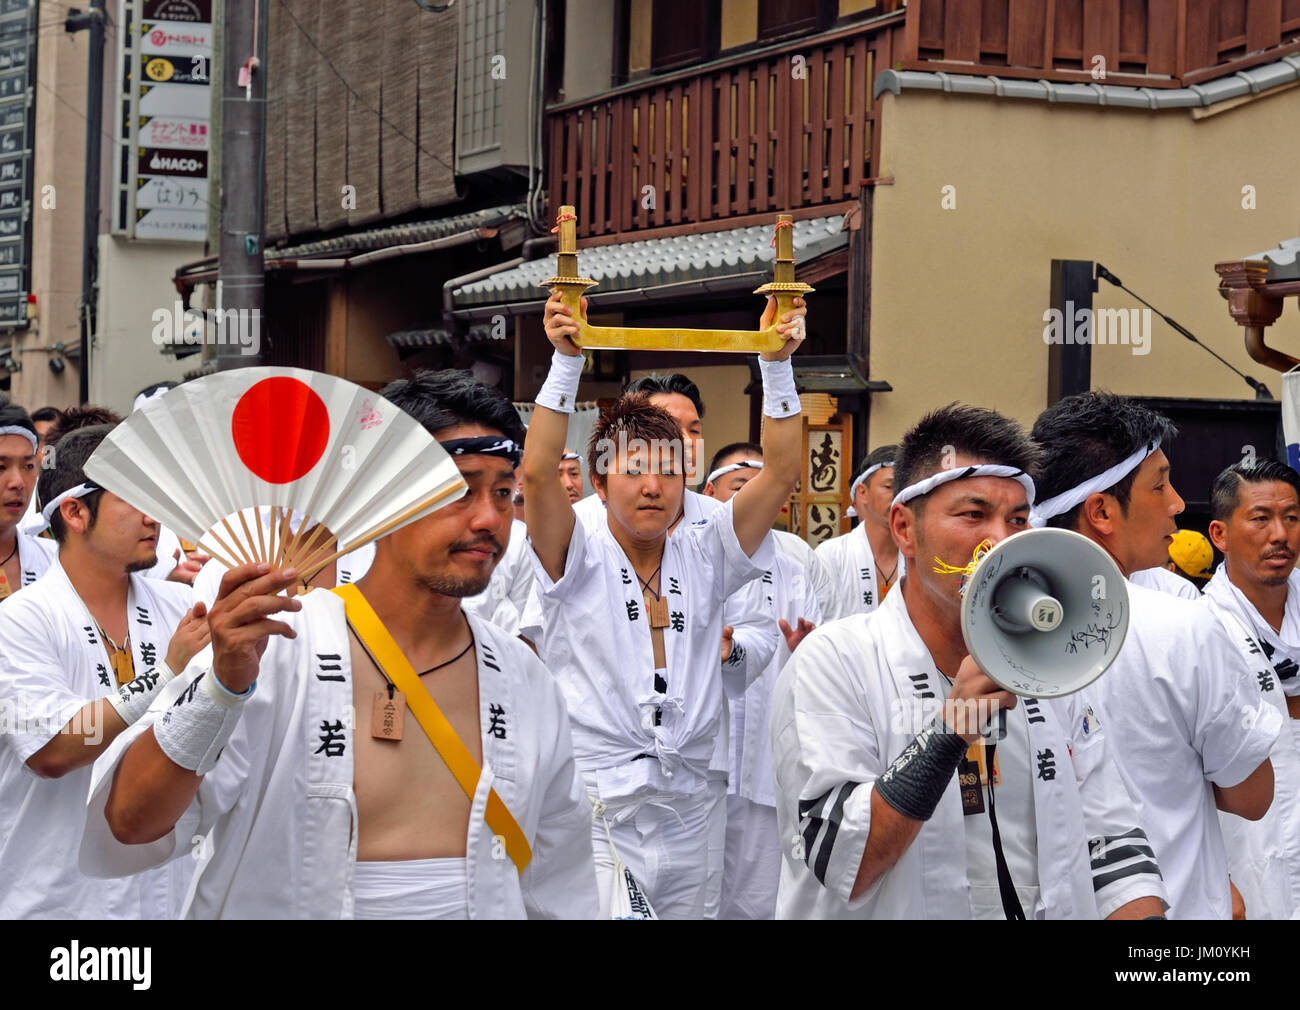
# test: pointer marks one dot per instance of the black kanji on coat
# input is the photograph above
(147, 681)
(497, 728)
(148, 653)
(1046, 765)
(633, 611)
(678, 620)
(332, 738)
(328, 666)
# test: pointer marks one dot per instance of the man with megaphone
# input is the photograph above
(889, 802)
(1187, 724)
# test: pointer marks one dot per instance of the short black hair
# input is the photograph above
(750, 448)
(1225, 494)
(45, 414)
(85, 416)
(68, 471)
(1085, 435)
(880, 454)
(961, 429)
(13, 416)
(675, 382)
(444, 399)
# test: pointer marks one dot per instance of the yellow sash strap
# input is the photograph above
(444, 738)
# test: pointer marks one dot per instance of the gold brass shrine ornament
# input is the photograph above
(783, 287)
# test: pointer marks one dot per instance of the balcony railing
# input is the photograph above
(794, 125)
(791, 126)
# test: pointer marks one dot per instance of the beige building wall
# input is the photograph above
(588, 60)
(135, 281)
(58, 161)
(739, 23)
(958, 295)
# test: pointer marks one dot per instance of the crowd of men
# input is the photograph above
(648, 702)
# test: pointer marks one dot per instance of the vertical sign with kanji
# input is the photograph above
(822, 495)
(18, 28)
(165, 59)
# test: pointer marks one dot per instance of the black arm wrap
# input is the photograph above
(916, 780)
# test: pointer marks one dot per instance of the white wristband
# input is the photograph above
(133, 698)
(560, 389)
(193, 731)
(779, 396)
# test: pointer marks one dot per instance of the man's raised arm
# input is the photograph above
(547, 511)
(757, 504)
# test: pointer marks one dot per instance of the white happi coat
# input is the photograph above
(596, 639)
(35, 556)
(1164, 581)
(790, 592)
(851, 568)
(506, 595)
(280, 803)
(52, 664)
(1264, 855)
(1184, 714)
(754, 635)
(850, 700)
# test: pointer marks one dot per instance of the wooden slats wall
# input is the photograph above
(767, 135)
(1176, 42)
(388, 131)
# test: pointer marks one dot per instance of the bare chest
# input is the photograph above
(409, 804)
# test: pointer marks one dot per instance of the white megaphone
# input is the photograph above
(1044, 613)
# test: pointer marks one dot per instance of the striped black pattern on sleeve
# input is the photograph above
(1115, 857)
(819, 823)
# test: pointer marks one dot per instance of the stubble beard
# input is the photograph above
(446, 585)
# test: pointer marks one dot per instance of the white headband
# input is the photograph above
(865, 475)
(18, 429)
(144, 398)
(744, 464)
(569, 455)
(981, 470)
(1062, 503)
(80, 491)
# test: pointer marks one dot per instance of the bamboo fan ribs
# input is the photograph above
(331, 465)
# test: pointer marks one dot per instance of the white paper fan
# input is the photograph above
(284, 438)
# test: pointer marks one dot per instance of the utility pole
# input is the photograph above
(240, 274)
(93, 19)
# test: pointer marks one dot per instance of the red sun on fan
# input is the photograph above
(280, 428)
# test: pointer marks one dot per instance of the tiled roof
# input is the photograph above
(1243, 82)
(412, 339)
(401, 234)
(655, 262)
(1283, 262)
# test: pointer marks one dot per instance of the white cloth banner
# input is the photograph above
(1291, 416)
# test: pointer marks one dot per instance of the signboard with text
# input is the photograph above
(18, 29)
(161, 176)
